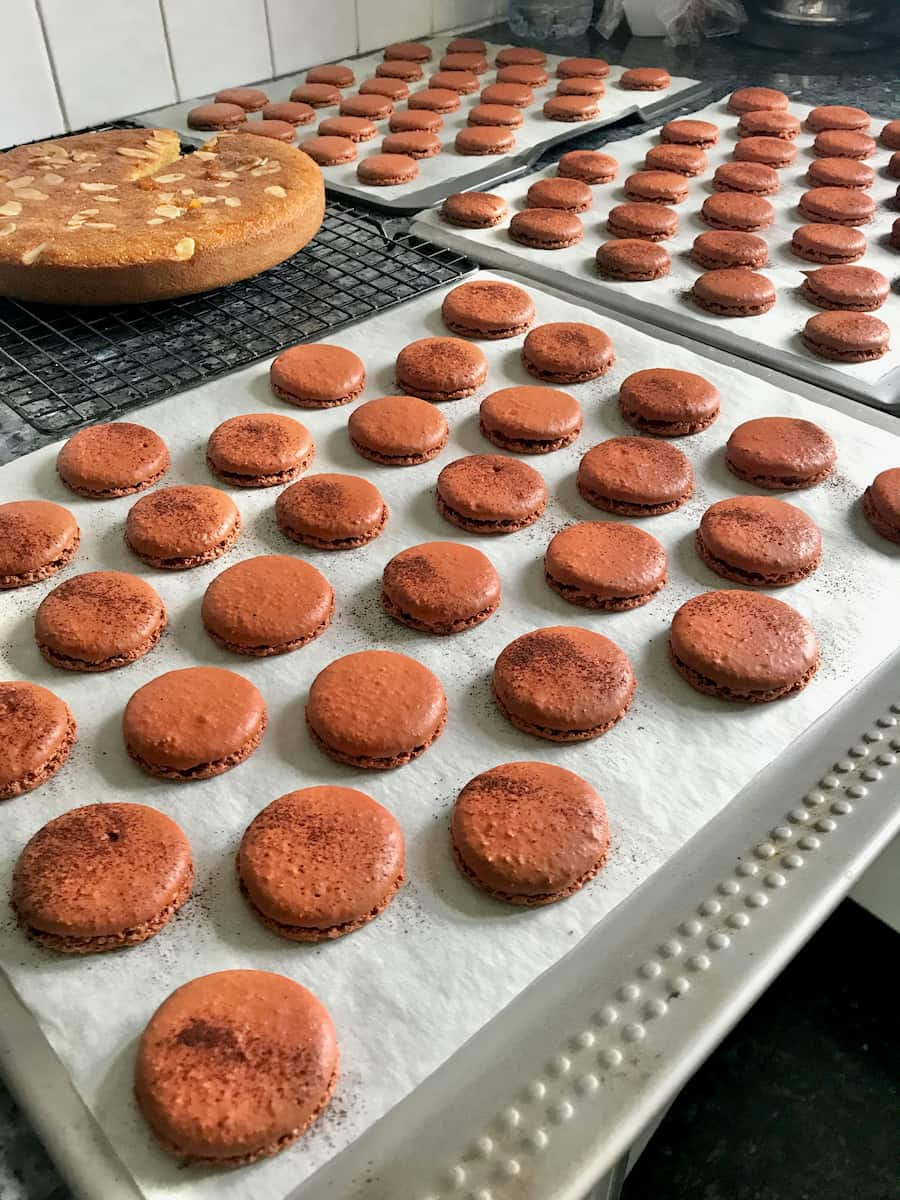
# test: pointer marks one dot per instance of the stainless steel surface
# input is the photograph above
(817, 12)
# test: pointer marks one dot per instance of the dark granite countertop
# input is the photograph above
(869, 79)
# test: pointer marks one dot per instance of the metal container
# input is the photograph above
(817, 12)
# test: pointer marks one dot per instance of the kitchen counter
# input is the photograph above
(868, 80)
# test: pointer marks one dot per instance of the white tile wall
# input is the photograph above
(216, 43)
(68, 63)
(307, 32)
(29, 105)
(393, 21)
(110, 57)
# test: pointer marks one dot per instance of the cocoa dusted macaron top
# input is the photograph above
(99, 620)
(487, 309)
(759, 540)
(112, 460)
(182, 526)
(491, 493)
(440, 587)
(233, 1066)
(37, 538)
(36, 733)
(780, 452)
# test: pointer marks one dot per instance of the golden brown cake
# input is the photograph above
(119, 217)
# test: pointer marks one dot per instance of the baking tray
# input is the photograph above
(448, 171)
(551, 1100)
(772, 338)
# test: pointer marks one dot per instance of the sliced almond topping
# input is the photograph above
(98, 187)
(232, 202)
(170, 211)
(276, 189)
(134, 152)
(203, 155)
(185, 248)
(267, 168)
(156, 221)
(31, 256)
(52, 178)
(22, 181)
(187, 191)
(107, 199)
(83, 155)
(173, 178)
(31, 194)
(11, 208)
(98, 225)
(224, 183)
(7, 229)
(226, 175)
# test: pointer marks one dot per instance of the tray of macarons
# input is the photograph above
(407, 126)
(344, 691)
(758, 225)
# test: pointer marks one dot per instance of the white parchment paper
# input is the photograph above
(412, 986)
(535, 130)
(773, 337)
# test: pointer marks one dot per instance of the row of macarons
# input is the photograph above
(234, 1066)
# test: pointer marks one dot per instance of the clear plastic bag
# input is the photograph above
(686, 22)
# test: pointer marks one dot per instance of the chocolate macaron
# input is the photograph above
(605, 565)
(484, 139)
(686, 132)
(37, 539)
(757, 99)
(416, 52)
(320, 863)
(415, 121)
(855, 289)
(590, 166)
(837, 206)
(683, 160)
(331, 512)
(99, 621)
(571, 195)
(724, 248)
(632, 260)
(657, 187)
(743, 646)
(330, 151)
(881, 504)
(781, 453)
(335, 74)
(315, 375)
(234, 1066)
(176, 528)
(837, 116)
(756, 179)
(581, 85)
(118, 459)
(464, 82)
(635, 477)
(193, 723)
(587, 68)
(496, 114)
(840, 172)
(546, 229)
(890, 135)
(523, 56)
(281, 131)
(769, 123)
(821, 243)
(529, 833)
(570, 108)
(532, 77)
(840, 143)
(490, 493)
(759, 541)
(530, 420)
(737, 210)
(413, 143)
(474, 210)
(768, 151)
(653, 222)
(440, 369)
(375, 709)
(439, 100)
(567, 352)
(563, 683)
(440, 587)
(668, 403)
(216, 116)
(102, 877)
(248, 98)
(398, 431)
(387, 170)
(267, 605)
(353, 129)
(37, 732)
(487, 309)
(645, 79)
(733, 292)
(846, 337)
(317, 95)
(294, 112)
(259, 450)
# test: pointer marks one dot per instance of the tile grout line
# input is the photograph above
(52, 64)
(167, 40)
(269, 37)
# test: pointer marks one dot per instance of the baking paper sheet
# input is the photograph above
(411, 987)
(448, 166)
(773, 337)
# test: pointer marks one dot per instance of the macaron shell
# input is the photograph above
(881, 504)
(743, 646)
(632, 259)
(759, 541)
(99, 621)
(635, 476)
(859, 289)
(567, 352)
(546, 228)
(176, 528)
(563, 683)
(112, 460)
(530, 420)
(668, 402)
(605, 565)
(529, 833)
(376, 709)
(441, 368)
(233, 1066)
(37, 539)
(37, 731)
(846, 336)
(321, 862)
(317, 375)
(440, 587)
(193, 723)
(490, 310)
(490, 493)
(590, 166)
(102, 876)
(331, 512)
(474, 210)
(267, 605)
(259, 449)
(780, 452)
(398, 430)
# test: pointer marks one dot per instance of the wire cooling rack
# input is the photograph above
(65, 367)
